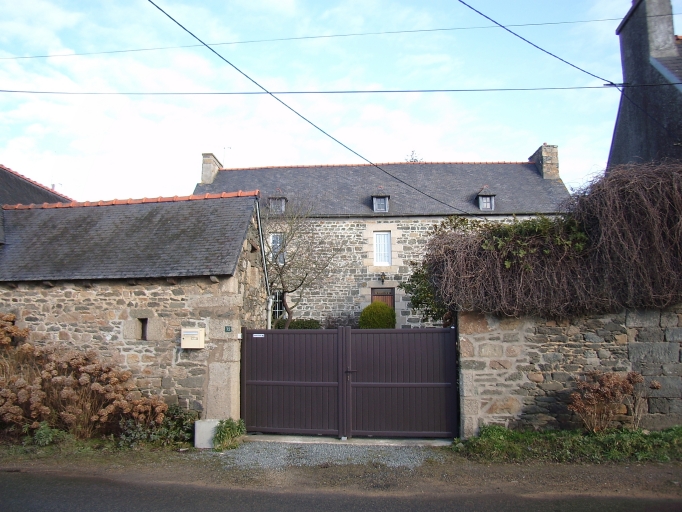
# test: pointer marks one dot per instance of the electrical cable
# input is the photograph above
(302, 116)
(347, 91)
(608, 82)
(303, 38)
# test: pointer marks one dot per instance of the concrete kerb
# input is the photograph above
(357, 441)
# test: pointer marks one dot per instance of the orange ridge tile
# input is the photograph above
(144, 200)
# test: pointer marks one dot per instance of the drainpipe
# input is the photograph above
(265, 264)
(270, 303)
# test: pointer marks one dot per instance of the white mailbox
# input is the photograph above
(192, 338)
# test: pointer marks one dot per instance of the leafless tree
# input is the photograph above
(299, 256)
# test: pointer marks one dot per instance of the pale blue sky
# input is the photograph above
(103, 147)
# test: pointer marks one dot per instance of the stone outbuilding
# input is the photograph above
(124, 278)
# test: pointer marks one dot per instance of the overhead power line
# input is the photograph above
(338, 92)
(302, 116)
(321, 36)
(608, 82)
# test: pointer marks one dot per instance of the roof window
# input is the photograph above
(277, 204)
(380, 204)
(486, 199)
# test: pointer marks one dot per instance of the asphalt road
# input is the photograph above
(46, 492)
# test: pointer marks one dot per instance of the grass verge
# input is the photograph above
(498, 444)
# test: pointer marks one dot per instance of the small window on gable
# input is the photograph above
(486, 199)
(142, 328)
(380, 203)
(277, 204)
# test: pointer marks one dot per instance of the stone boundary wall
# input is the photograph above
(104, 316)
(519, 372)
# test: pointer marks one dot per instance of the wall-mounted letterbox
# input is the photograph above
(192, 338)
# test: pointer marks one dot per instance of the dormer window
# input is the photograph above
(380, 204)
(486, 199)
(277, 204)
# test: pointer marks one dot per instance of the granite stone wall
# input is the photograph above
(519, 372)
(105, 316)
(340, 299)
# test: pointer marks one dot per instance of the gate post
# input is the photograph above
(343, 337)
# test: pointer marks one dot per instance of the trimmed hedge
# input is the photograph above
(298, 323)
(378, 315)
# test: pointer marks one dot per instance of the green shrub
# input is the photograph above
(176, 428)
(44, 435)
(299, 323)
(378, 315)
(226, 434)
(498, 444)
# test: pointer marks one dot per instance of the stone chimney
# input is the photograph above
(209, 168)
(659, 26)
(546, 159)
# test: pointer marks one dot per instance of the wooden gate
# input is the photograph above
(350, 382)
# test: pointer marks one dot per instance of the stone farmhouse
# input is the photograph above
(124, 278)
(18, 189)
(649, 122)
(382, 216)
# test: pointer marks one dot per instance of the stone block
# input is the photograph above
(204, 430)
(500, 364)
(672, 369)
(673, 334)
(514, 376)
(654, 352)
(661, 421)
(470, 364)
(512, 351)
(552, 357)
(658, 406)
(675, 406)
(643, 318)
(536, 377)
(669, 319)
(551, 386)
(509, 405)
(562, 376)
(671, 387)
(510, 337)
(490, 350)
(650, 335)
(466, 348)
(621, 339)
(156, 329)
(593, 338)
(470, 406)
(473, 323)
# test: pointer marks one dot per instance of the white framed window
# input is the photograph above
(277, 204)
(277, 248)
(382, 248)
(380, 203)
(486, 202)
(277, 306)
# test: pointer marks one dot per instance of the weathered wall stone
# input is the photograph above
(105, 316)
(543, 358)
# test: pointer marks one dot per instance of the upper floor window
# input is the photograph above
(380, 203)
(382, 248)
(486, 199)
(277, 204)
(277, 247)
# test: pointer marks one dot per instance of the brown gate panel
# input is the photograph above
(403, 383)
(290, 381)
(400, 383)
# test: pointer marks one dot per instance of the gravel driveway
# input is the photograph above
(279, 455)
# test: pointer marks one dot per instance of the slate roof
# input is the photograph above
(346, 190)
(164, 237)
(18, 189)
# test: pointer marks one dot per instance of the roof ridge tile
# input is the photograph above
(144, 200)
(367, 165)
